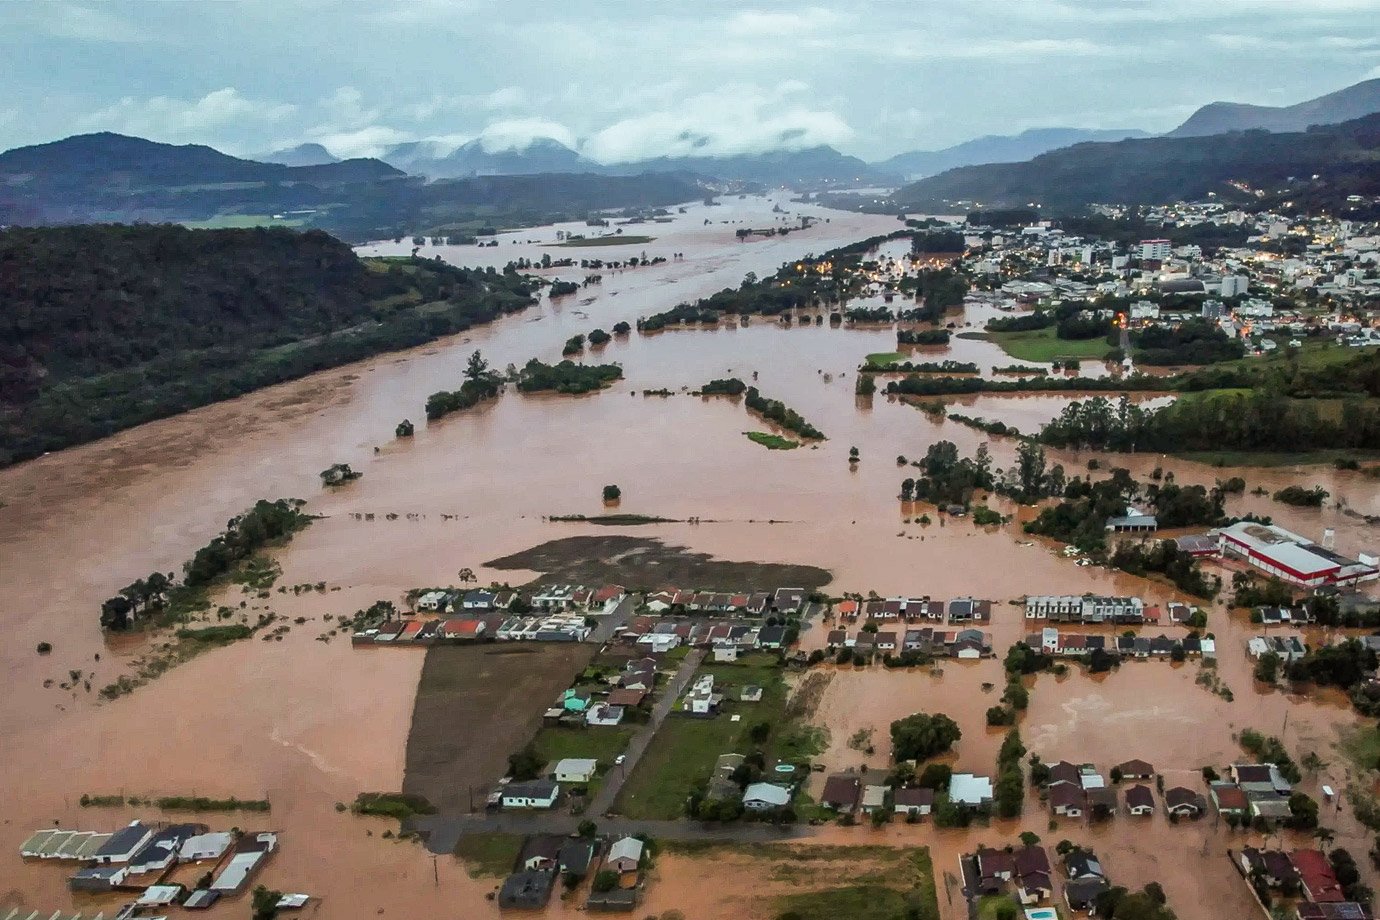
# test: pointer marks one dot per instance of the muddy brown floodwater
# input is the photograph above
(310, 723)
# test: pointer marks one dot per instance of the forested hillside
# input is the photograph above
(1329, 163)
(104, 327)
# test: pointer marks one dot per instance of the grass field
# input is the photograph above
(988, 905)
(1043, 345)
(492, 855)
(612, 240)
(1362, 747)
(891, 899)
(883, 358)
(240, 222)
(601, 743)
(476, 704)
(684, 749)
(771, 441)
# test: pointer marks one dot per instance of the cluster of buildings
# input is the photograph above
(494, 627)
(1305, 873)
(785, 601)
(847, 794)
(1079, 790)
(1027, 872)
(1087, 608)
(614, 865)
(1051, 641)
(914, 610)
(1279, 553)
(139, 858)
(924, 640)
(1252, 790)
(726, 638)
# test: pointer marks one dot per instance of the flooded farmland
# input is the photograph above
(308, 723)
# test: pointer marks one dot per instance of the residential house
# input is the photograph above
(771, 637)
(995, 865)
(837, 639)
(1229, 798)
(576, 856)
(1183, 803)
(1271, 866)
(873, 798)
(1140, 801)
(528, 889)
(537, 793)
(1067, 799)
(841, 793)
(1101, 801)
(1033, 875)
(1133, 521)
(540, 851)
(969, 610)
(788, 600)
(625, 855)
(575, 770)
(604, 714)
(626, 697)
(1081, 863)
(913, 801)
(701, 699)
(765, 796)
(160, 853)
(885, 641)
(200, 847)
(1081, 893)
(1135, 769)
(1315, 873)
(970, 790)
(1260, 777)
(123, 844)
(98, 879)
(725, 653)
(1333, 910)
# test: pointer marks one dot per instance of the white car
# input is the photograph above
(618, 761)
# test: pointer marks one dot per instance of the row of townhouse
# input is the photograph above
(549, 598)
(660, 635)
(988, 871)
(912, 609)
(1084, 608)
(758, 603)
(558, 627)
(961, 643)
(1052, 642)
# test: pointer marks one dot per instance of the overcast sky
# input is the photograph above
(626, 80)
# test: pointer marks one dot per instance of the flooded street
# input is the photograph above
(308, 723)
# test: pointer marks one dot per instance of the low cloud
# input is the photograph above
(728, 121)
(519, 133)
(169, 119)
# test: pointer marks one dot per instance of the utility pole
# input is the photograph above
(435, 872)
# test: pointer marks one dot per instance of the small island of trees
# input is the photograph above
(480, 384)
(566, 377)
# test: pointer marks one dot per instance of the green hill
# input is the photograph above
(105, 327)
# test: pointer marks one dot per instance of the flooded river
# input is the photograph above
(309, 723)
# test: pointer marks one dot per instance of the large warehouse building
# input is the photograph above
(1292, 558)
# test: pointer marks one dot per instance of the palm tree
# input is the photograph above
(1312, 763)
(1325, 836)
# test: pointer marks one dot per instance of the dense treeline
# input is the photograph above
(112, 326)
(957, 386)
(480, 384)
(922, 337)
(244, 535)
(812, 281)
(730, 386)
(934, 241)
(936, 290)
(775, 410)
(1194, 342)
(567, 377)
(1260, 420)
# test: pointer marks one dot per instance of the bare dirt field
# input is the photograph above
(475, 705)
(639, 562)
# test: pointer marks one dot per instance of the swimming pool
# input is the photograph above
(1041, 913)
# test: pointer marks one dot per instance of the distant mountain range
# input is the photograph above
(812, 166)
(996, 148)
(104, 178)
(301, 155)
(1344, 105)
(1344, 158)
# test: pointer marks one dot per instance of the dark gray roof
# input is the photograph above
(123, 840)
(530, 889)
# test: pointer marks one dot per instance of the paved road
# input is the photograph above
(614, 779)
(619, 617)
(443, 832)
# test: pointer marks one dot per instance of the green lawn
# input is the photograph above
(491, 855)
(1043, 345)
(685, 748)
(883, 358)
(988, 905)
(1362, 747)
(612, 240)
(771, 441)
(602, 743)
